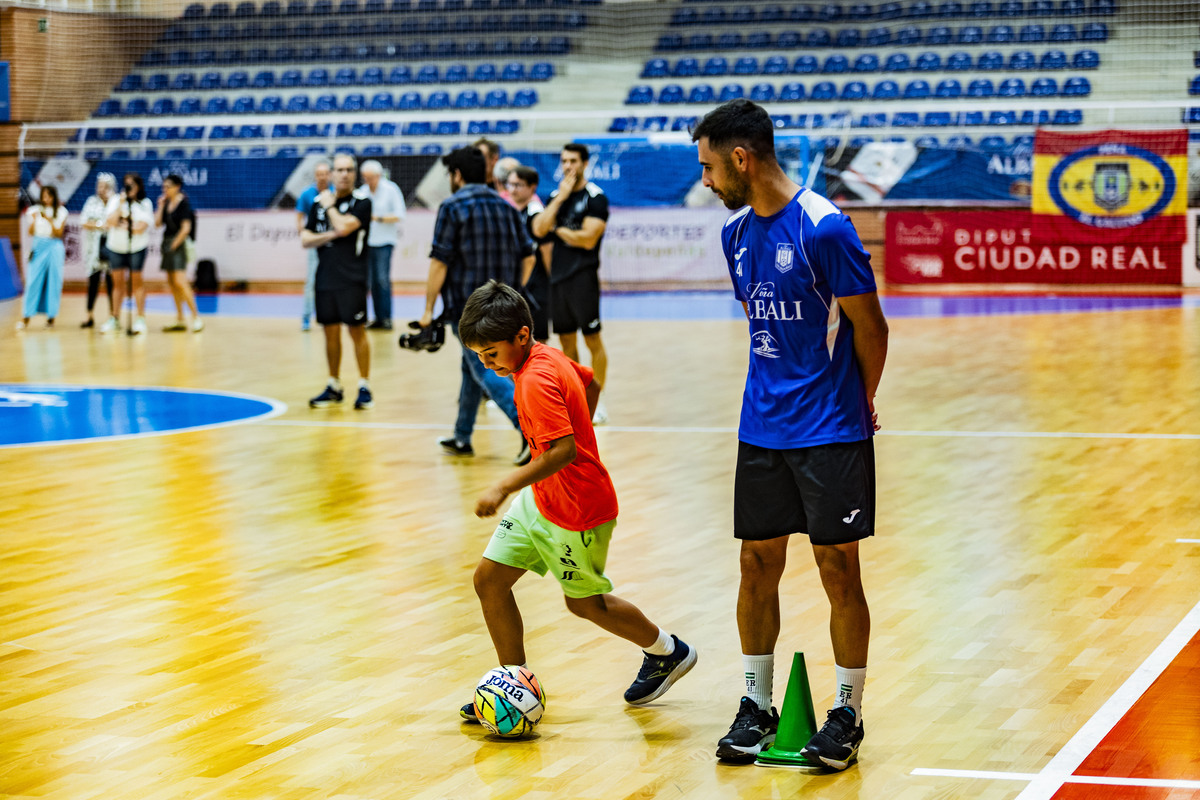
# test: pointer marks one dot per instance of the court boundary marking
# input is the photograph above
(1060, 769)
(276, 408)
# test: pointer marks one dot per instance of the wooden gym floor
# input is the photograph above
(283, 608)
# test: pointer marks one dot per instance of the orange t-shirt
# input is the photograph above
(551, 402)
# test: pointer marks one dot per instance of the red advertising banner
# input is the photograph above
(1104, 187)
(1000, 247)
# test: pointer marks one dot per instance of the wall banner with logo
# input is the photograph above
(1002, 247)
(1110, 187)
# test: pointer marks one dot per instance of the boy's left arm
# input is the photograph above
(593, 396)
(557, 455)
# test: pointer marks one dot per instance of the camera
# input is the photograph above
(428, 339)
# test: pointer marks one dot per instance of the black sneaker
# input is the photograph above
(329, 397)
(523, 457)
(658, 673)
(753, 731)
(456, 448)
(467, 712)
(364, 398)
(380, 325)
(836, 744)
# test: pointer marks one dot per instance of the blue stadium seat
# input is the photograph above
(209, 81)
(772, 13)
(130, 83)
(1022, 60)
(345, 76)
(897, 62)
(990, 61)
(1053, 59)
(541, 71)
(917, 90)
(1072, 8)
(890, 10)
(656, 68)
(802, 12)
(859, 141)
(188, 106)
(671, 94)
(981, 87)
(788, 40)
(1076, 87)
(854, 90)
(290, 78)
(372, 76)
(317, 77)
(1011, 87)
(993, 144)
(939, 35)
(1001, 34)
(1064, 116)
(219, 10)
(387, 129)
(758, 40)
(220, 132)
(251, 132)
(1002, 118)
(867, 62)
(496, 98)
(429, 73)
(244, 9)
(970, 34)
(950, 10)
(701, 93)
(136, 107)
(437, 100)
(713, 15)
(1032, 33)
(202, 33)
(958, 61)
(204, 58)
(400, 75)
(262, 80)
(830, 12)
(409, 101)
(940, 119)
(971, 118)
(467, 98)
(878, 37)
(507, 126)
(1041, 8)
(731, 91)
(818, 37)
(729, 41)
(217, 105)
(746, 65)
(193, 132)
(927, 141)
(1012, 8)
(1095, 32)
(775, 65)
(685, 16)
(243, 105)
(280, 131)
(297, 104)
(154, 58)
(886, 90)
(381, 101)
(906, 119)
(1064, 32)
(271, 104)
(354, 102)
(686, 67)
(1086, 59)
(859, 11)
(981, 8)
(782, 121)
(823, 91)
(806, 65)
(486, 73)
(836, 64)
(875, 120)
(791, 92)
(959, 141)
(1044, 87)
(157, 83)
(168, 133)
(455, 73)
(639, 95)
(948, 89)
(929, 62)
(762, 93)
(669, 42)
(110, 135)
(194, 11)
(847, 37)
(715, 66)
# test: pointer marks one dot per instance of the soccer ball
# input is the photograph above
(509, 701)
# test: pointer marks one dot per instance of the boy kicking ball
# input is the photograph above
(565, 508)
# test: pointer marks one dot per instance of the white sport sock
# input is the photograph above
(335, 384)
(664, 645)
(850, 689)
(363, 383)
(760, 677)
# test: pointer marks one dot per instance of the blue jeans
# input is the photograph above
(476, 381)
(379, 272)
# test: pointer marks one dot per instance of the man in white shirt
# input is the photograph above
(387, 209)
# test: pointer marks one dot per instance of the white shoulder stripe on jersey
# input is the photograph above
(593, 189)
(737, 216)
(815, 206)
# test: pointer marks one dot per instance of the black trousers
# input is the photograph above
(94, 288)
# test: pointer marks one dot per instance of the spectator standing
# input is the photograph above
(175, 215)
(303, 205)
(130, 216)
(44, 277)
(387, 211)
(522, 185)
(94, 219)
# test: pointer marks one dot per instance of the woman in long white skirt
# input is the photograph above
(44, 276)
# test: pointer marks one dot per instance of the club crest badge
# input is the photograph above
(785, 256)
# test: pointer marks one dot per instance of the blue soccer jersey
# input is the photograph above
(803, 387)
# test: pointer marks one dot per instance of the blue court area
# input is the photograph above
(48, 414)
(721, 305)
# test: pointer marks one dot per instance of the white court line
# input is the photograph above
(1187, 541)
(1153, 783)
(437, 426)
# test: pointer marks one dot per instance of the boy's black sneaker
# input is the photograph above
(836, 744)
(329, 397)
(753, 731)
(456, 448)
(467, 712)
(658, 673)
(364, 398)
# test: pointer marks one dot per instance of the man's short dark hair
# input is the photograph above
(581, 149)
(527, 174)
(493, 148)
(495, 312)
(468, 161)
(738, 123)
(174, 180)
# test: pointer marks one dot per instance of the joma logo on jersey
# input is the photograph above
(785, 256)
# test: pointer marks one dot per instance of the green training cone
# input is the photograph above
(797, 722)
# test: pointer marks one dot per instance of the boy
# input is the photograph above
(565, 509)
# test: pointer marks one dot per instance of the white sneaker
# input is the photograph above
(601, 415)
(22, 325)
(139, 325)
(197, 325)
(110, 325)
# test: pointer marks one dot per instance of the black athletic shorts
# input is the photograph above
(341, 306)
(826, 491)
(575, 303)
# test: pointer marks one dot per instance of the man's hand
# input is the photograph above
(489, 501)
(426, 320)
(567, 184)
(325, 199)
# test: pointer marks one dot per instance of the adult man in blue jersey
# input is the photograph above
(806, 464)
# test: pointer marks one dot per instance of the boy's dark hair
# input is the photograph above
(174, 180)
(738, 123)
(495, 312)
(53, 190)
(528, 174)
(581, 149)
(468, 161)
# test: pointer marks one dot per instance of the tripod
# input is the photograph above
(129, 276)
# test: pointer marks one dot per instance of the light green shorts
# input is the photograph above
(525, 539)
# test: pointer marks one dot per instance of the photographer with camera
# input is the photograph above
(338, 225)
(477, 237)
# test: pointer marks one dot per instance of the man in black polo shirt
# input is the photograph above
(338, 225)
(574, 221)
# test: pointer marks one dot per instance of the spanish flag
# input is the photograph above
(1109, 187)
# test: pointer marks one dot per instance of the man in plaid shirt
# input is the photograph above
(477, 237)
